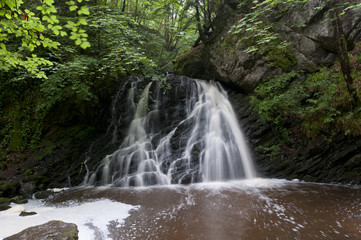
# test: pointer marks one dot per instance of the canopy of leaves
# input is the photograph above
(25, 27)
(59, 57)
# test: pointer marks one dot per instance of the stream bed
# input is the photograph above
(247, 209)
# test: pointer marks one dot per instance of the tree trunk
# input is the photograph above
(136, 10)
(342, 52)
(124, 3)
(199, 26)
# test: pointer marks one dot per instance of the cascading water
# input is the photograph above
(190, 134)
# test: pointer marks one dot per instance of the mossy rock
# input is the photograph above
(83, 132)
(190, 62)
(309, 178)
(5, 200)
(19, 200)
(24, 214)
(4, 207)
(4, 203)
(10, 189)
(43, 194)
(3, 165)
(282, 58)
(51, 230)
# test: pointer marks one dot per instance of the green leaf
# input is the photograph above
(70, 3)
(73, 8)
(84, 10)
(82, 21)
(78, 41)
(85, 45)
(49, 2)
(54, 19)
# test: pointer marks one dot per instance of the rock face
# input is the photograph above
(315, 160)
(313, 45)
(53, 230)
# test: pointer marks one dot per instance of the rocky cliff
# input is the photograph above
(306, 28)
(312, 46)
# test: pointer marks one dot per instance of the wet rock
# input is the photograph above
(4, 206)
(179, 138)
(55, 230)
(28, 189)
(43, 194)
(4, 203)
(19, 200)
(5, 200)
(9, 189)
(24, 214)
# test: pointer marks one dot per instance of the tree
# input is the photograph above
(173, 20)
(24, 28)
(204, 14)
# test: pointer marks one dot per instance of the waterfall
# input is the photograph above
(188, 134)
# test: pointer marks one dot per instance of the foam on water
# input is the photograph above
(85, 215)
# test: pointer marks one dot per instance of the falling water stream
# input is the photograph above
(190, 135)
(213, 141)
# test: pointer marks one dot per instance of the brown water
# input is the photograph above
(255, 209)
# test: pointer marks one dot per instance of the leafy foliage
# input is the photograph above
(256, 31)
(69, 81)
(173, 22)
(321, 103)
(28, 28)
(121, 44)
(278, 100)
(330, 106)
(67, 78)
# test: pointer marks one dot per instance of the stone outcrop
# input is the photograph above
(306, 27)
(54, 230)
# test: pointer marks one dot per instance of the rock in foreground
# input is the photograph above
(54, 230)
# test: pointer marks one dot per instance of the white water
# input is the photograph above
(85, 215)
(215, 149)
(225, 143)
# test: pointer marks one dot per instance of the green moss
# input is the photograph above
(3, 165)
(15, 135)
(22, 126)
(9, 189)
(4, 207)
(188, 63)
(19, 200)
(83, 132)
(229, 43)
(309, 178)
(5, 200)
(282, 58)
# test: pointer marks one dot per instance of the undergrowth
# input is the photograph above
(319, 102)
